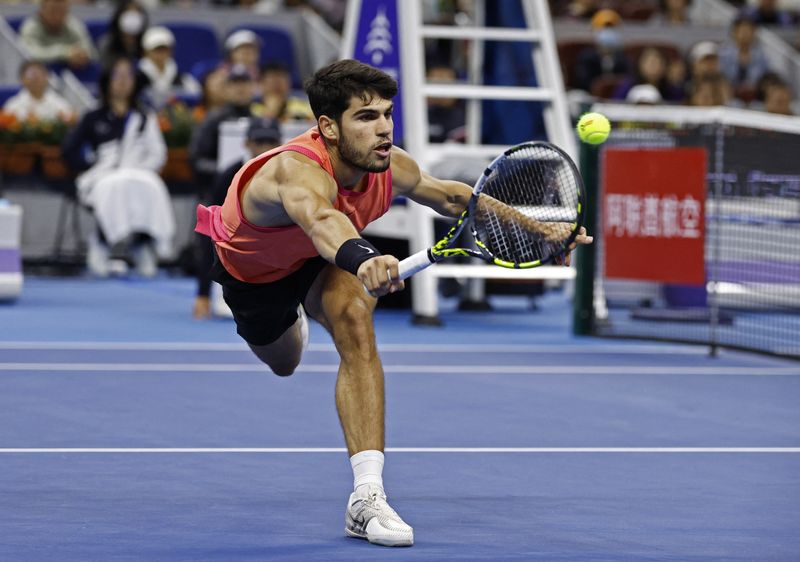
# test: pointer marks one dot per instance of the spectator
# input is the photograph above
(582, 9)
(651, 68)
(446, 116)
(778, 98)
(711, 90)
(671, 12)
(124, 37)
(161, 70)
(741, 59)
(55, 37)
(262, 135)
(704, 59)
(644, 94)
(243, 47)
(214, 93)
(205, 139)
(766, 12)
(119, 149)
(606, 57)
(277, 102)
(36, 100)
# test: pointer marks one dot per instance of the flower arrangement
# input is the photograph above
(32, 130)
(177, 122)
(25, 142)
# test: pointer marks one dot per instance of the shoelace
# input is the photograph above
(377, 500)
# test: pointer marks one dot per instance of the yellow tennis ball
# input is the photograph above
(593, 128)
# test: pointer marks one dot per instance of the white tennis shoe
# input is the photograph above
(372, 518)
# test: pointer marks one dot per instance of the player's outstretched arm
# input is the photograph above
(306, 194)
(446, 197)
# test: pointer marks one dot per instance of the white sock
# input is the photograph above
(367, 470)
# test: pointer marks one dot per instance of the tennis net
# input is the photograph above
(719, 265)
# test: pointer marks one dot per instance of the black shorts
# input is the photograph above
(264, 311)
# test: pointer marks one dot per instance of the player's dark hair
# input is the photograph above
(330, 89)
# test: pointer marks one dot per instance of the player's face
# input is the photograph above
(365, 139)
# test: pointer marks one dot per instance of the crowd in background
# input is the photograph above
(734, 72)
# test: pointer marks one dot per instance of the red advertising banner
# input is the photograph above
(653, 214)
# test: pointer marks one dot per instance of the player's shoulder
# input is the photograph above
(405, 170)
(294, 170)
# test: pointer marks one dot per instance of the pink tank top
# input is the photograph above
(259, 254)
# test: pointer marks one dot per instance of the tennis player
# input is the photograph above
(287, 240)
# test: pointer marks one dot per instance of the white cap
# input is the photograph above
(157, 36)
(644, 93)
(702, 50)
(239, 38)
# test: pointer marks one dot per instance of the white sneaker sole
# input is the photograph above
(382, 541)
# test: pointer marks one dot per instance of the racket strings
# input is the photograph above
(542, 191)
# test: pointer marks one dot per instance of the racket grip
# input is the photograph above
(414, 263)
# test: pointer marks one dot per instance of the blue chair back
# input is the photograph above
(6, 92)
(194, 42)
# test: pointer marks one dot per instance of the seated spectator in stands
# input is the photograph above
(671, 12)
(205, 138)
(277, 101)
(644, 94)
(243, 47)
(606, 57)
(741, 59)
(120, 149)
(55, 37)
(710, 90)
(766, 12)
(36, 99)
(778, 98)
(582, 9)
(214, 93)
(703, 59)
(262, 135)
(125, 31)
(161, 70)
(446, 116)
(651, 68)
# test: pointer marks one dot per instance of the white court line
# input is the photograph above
(383, 347)
(484, 450)
(331, 368)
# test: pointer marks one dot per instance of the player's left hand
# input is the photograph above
(581, 238)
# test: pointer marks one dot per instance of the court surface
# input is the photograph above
(130, 432)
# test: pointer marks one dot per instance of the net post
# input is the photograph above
(583, 305)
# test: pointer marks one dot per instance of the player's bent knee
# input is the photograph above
(356, 317)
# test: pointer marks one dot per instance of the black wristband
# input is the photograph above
(353, 253)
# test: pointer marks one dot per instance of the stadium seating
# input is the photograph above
(7, 92)
(194, 43)
(15, 22)
(97, 28)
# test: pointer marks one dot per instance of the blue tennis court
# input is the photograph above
(129, 431)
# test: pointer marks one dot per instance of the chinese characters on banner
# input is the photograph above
(653, 214)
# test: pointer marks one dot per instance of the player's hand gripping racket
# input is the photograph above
(525, 211)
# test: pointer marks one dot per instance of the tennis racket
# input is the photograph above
(525, 211)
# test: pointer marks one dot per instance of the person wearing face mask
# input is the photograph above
(124, 38)
(57, 38)
(606, 57)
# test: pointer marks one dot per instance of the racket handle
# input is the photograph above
(414, 263)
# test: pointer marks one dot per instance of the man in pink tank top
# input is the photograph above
(288, 235)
